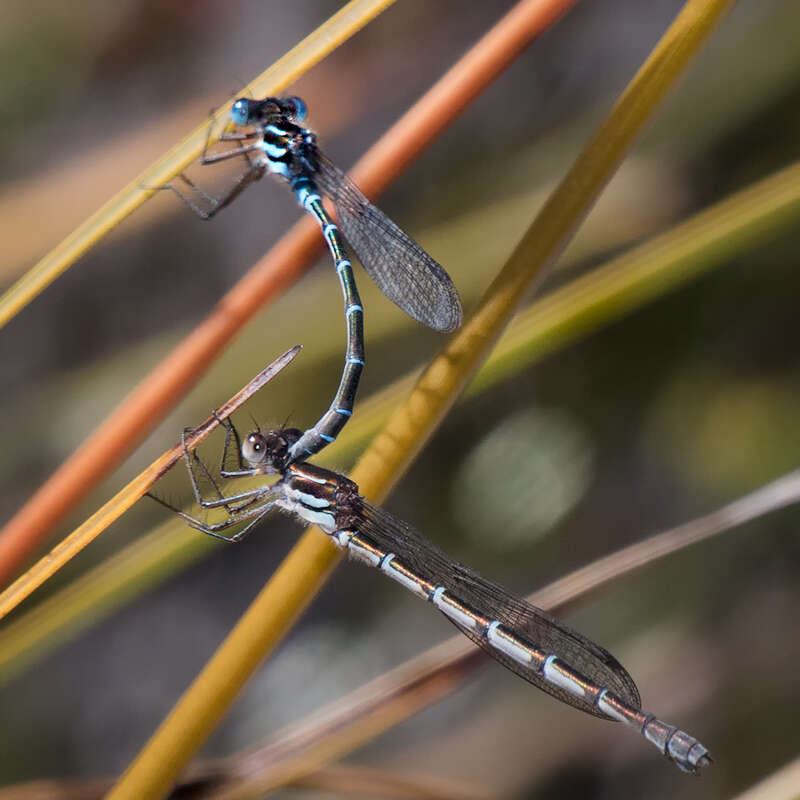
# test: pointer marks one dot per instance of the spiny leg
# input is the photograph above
(252, 173)
(205, 158)
(232, 434)
(255, 515)
(215, 204)
(244, 150)
(193, 461)
(233, 504)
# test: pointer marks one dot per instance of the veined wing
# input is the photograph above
(536, 627)
(405, 273)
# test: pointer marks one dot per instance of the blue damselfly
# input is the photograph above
(272, 140)
(528, 641)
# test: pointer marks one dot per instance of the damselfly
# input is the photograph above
(273, 141)
(528, 641)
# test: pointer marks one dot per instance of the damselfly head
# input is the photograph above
(268, 451)
(245, 111)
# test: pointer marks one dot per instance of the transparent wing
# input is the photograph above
(405, 273)
(535, 626)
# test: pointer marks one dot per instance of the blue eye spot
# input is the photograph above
(240, 113)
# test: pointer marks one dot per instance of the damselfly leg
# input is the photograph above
(252, 504)
(213, 204)
(204, 204)
(254, 514)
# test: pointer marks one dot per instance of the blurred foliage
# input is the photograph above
(521, 478)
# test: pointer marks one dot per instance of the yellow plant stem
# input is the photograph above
(290, 589)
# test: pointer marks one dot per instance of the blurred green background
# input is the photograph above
(661, 416)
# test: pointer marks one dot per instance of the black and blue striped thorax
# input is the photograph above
(289, 150)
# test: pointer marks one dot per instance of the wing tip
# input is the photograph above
(448, 318)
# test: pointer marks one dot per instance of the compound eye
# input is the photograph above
(254, 448)
(296, 108)
(240, 111)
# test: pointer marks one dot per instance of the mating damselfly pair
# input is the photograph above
(531, 643)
